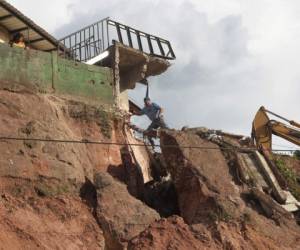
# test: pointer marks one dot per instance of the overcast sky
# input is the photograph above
(232, 55)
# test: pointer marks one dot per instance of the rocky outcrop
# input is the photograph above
(120, 215)
(59, 119)
(201, 177)
(214, 204)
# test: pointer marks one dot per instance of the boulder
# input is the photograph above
(119, 214)
(201, 176)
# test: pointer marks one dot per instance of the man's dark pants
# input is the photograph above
(157, 123)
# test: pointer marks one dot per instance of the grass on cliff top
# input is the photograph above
(290, 175)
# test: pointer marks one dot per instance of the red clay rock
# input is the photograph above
(55, 118)
(171, 233)
(42, 170)
(120, 215)
(47, 223)
(202, 179)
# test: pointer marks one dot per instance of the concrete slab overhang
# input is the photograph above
(133, 65)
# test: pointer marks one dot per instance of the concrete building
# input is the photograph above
(100, 62)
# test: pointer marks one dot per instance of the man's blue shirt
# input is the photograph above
(151, 111)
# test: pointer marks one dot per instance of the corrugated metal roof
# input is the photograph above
(14, 21)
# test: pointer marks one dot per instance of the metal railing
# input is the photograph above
(92, 40)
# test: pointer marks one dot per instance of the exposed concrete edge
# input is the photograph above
(242, 167)
(292, 204)
(271, 207)
(265, 168)
(140, 156)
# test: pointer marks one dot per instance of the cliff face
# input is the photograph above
(48, 193)
(58, 195)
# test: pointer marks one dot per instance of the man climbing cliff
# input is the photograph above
(154, 113)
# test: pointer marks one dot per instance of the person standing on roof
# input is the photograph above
(154, 113)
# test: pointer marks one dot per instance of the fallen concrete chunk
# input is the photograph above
(291, 203)
(243, 162)
(265, 168)
(119, 214)
(271, 208)
(140, 155)
(250, 170)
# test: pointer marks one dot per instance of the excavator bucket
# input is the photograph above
(263, 128)
(261, 133)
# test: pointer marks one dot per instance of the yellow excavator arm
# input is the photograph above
(263, 128)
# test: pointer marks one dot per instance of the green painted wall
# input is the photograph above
(48, 73)
(32, 69)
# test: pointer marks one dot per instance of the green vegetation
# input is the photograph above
(290, 175)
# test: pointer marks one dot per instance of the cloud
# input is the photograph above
(49, 15)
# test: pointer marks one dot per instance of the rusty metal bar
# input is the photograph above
(138, 36)
(160, 46)
(171, 49)
(150, 44)
(129, 37)
(119, 33)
